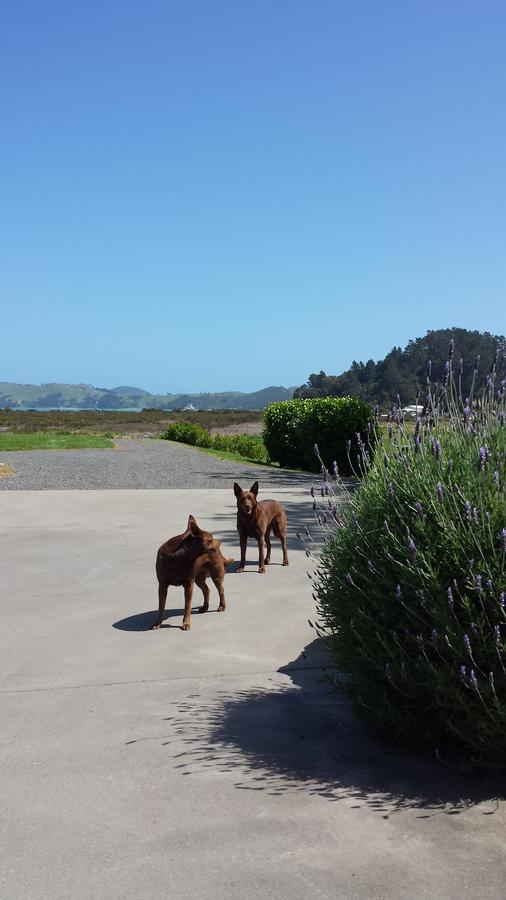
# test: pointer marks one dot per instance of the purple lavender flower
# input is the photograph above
(450, 597)
(437, 449)
(473, 680)
(503, 540)
(474, 629)
(482, 458)
(434, 635)
(497, 634)
(451, 347)
(449, 467)
(440, 492)
(419, 508)
(385, 460)
(467, 644)
(475, 516)
(398, 592)
(501, 600)
(479, 585)
(463, 673)
(468, 511)
(335, 469)
(390, 489)
(416, 443)
(411, 550)
(421, 598)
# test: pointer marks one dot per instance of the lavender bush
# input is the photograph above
(410, 584)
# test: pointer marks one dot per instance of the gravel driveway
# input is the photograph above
(144, 464)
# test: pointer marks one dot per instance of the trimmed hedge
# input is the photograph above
(293, 427)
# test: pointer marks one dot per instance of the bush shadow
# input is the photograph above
(298, 737)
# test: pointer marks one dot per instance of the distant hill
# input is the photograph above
(403, 371)
(86, 396)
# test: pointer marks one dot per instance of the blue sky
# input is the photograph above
(227, 194)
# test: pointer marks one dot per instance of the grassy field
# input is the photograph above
(148, 421)
(52, 440)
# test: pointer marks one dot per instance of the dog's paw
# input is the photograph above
(285, 562)
(221, 608)
(240, 569)
(155, 626)
(203, 609)
(261, 570)
(185, 626)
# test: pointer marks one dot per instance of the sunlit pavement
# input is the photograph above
(208, 764)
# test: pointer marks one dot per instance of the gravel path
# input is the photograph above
(144, 464)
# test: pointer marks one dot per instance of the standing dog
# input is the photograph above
(257, 519)
(176, 562)
(212, 564)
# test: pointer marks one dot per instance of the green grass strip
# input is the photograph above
(53, 440)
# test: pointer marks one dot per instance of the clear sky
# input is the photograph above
(227, 194)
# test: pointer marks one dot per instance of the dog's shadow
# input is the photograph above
(144, 621)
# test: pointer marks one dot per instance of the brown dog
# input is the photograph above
(212, 564)
(257, 519)
(176, 564)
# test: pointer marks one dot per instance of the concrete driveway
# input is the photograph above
(208, 764)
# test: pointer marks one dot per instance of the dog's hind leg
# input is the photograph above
(206, 592)
(268, 545)
(261, 558)
(162, 598)
(218, 583)
(188, 594)
(280, 531)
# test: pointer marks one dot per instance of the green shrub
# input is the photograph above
(247, 445)
(411, 582)
(250, 446)
(187, 433)
(293, 427)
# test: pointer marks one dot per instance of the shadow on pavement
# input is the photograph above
(298, 737)
(143, 621)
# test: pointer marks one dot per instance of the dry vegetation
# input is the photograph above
(150, 422)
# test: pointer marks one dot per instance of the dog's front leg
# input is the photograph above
(243, 539)
(261, 558)
(188, 594)
(162, 597)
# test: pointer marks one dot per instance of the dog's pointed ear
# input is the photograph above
(237, 489)
(254, 488)
(192, 525)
